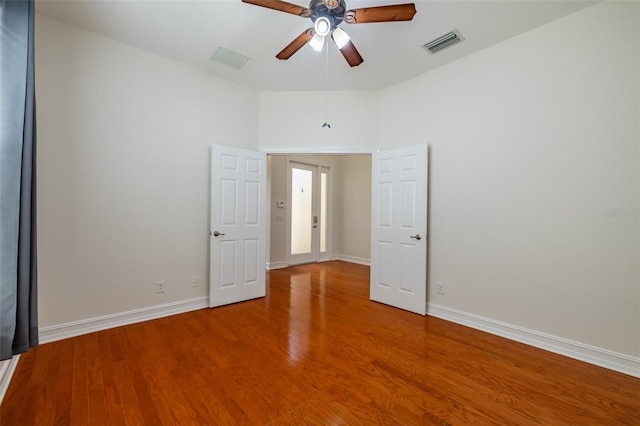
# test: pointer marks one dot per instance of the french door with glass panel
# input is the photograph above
(308, 235)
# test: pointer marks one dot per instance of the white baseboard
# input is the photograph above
(602, 357)
(6, 373)
(277, 265)
(77, 328)
(352, 259)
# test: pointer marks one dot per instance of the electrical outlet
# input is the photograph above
(194, 281)
(160, 286)
(440, 287)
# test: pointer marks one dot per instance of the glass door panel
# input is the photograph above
(301, 210)
(323, 228)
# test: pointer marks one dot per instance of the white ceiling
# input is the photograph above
(190, 32)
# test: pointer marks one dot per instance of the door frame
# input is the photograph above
(315, 241)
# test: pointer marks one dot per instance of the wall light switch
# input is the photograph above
(280, 204)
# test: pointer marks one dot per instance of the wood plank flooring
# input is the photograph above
(314, 351)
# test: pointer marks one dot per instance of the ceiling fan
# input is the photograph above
(327, 15)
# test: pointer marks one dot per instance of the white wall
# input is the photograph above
(123, 172)
(277, 178)
(532, 141)
(293, 121)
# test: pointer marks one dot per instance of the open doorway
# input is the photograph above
(347, 215)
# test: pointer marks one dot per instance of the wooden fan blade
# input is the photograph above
(282, 6)
(351, 54)
(393, 12)
(296, 44)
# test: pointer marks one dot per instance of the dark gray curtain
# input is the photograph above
(18, 273)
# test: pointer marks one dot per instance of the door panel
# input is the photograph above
(238, 225)
(399, 228)
(251, 265)
(252, 208)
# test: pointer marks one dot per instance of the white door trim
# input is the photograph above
(316, 151)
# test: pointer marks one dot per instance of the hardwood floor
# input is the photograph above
(314, 351)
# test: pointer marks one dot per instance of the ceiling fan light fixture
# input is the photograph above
(340, 37)
(317, 42)
(322, 26)
(326, 15)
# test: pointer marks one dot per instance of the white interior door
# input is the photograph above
(399, 228)
(308, 236)
(238, 225)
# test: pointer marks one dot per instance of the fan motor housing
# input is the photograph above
(336, 15)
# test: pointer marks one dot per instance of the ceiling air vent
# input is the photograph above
(229, 58)
(443, 41)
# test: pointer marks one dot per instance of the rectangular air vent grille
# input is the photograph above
(229, 58)
(443, 42)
